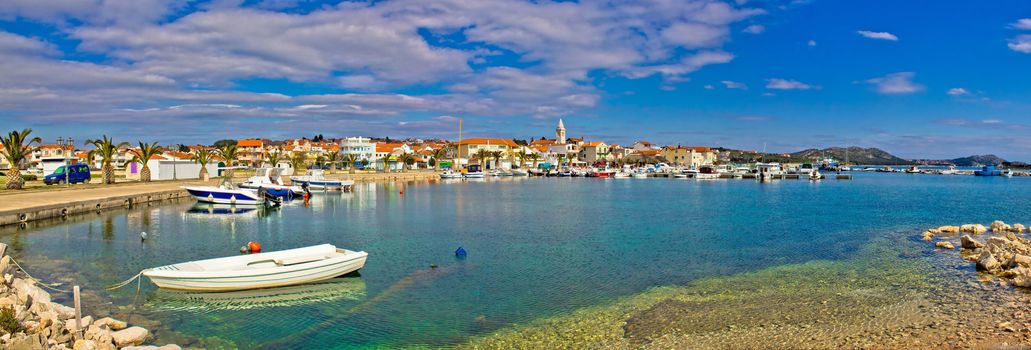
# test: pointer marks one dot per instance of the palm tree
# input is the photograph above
(298, 162)
(320, 161)
(17, 147)
(143, 155)
(333, 158)
(497, 155)
(348, 161)
(229, 152)
(406, 159)
(482, 155)
(534, 158)
(522, 158)
(440, 153)
(273, 159)
(106, 149)
(203, 157)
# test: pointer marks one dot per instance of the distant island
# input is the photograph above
(864, 156)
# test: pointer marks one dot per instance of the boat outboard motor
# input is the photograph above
(269, 197)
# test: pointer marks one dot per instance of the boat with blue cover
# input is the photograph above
(988, 170)
(270, 180)
(228, 193)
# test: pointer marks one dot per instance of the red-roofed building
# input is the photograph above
(689, 156)
(251, 151)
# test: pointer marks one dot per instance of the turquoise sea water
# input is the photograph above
(538, 247)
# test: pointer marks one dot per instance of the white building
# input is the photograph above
(361, 147)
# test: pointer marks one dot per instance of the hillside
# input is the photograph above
(978, 160)
(856, 155)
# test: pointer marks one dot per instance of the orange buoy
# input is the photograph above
(254, 247)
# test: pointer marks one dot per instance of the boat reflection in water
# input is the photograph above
(340, 288)
(227, 210)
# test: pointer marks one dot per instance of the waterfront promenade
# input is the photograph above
(52, 202)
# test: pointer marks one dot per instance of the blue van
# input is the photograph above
(77, 173)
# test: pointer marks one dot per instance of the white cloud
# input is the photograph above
(957, 91)
(754, 29)
(811, 43)
(709, 87)
(1023, 23)
(896, 83)
(1022, 43)
(878, 35)
(695, 35)
(730, 84)
(787, 84)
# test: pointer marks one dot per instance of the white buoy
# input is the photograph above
(143, 236)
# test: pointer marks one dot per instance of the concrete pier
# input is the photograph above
(20, 207)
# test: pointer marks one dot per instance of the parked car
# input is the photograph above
(77, 173)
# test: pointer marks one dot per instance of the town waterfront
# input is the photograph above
(539, 249)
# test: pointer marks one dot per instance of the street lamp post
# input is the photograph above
(64, 152)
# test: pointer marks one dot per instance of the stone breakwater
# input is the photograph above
(30, 321)
(999, 250)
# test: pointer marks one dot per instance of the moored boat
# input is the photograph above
(316, 180)
(262, 270)
(269, 179)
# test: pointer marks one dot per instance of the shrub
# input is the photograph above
(28, 177)
(8, 322)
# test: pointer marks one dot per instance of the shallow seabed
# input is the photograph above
(567, 263)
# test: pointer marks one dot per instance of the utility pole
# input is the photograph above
(64, 152)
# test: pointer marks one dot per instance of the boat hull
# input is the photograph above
(332, 185)
(222, 196)
(169, 278)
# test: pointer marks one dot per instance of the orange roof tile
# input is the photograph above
(593, 144)
(542, 142)
(387, 147)
(249, 143)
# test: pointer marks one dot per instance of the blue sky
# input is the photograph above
(939, 81)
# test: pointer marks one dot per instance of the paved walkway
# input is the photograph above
(14, 201)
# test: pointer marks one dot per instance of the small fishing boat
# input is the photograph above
(679, 176)
(519, 172)
(317, 181)
(640, 175)
(913, 170)
(815, 175)
(619, 175)
(475, 175)
(262, 270)
(988, 170)
(950, 170)
(707, 172)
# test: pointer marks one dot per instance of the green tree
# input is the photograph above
(17, 147)
(333, 158)
(106, 149)
(439, 154)
(482, 155)
(299, 162)
(406, 159)
(229, 152)
(144, 154)
(348, 161)
(203, 157)
(273, 158)
(223, 143)
(497, 155)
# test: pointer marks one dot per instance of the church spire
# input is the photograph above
(560, 133)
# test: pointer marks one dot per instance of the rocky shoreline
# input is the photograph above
(1003, 252)
(29, 320)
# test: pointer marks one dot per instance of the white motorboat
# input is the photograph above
(640, 175)
(475, 175)
(679, 176)
(519, 172)
(815, 175)
(449, 174)
(270, 179)
(262, 270)
(316, 180)
(227, 193)
(621, 175)
(951, 170)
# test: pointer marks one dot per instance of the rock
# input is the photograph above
(1018, 228)
(170, 347)
(86, 321)
(1019, 260)
(987, 262)
(5, 263)
(111, 323)
(968, 242)
(1021, 276)
(945, 245)
(8, 301)
(143, 347)
(130, 336)
(949, 229)
(27, 342)
(98, 333)
(933, 231)
(973, 228)
(28, 293)
(64, 312)
(83, 344)
(999, 226)
(928, 236)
